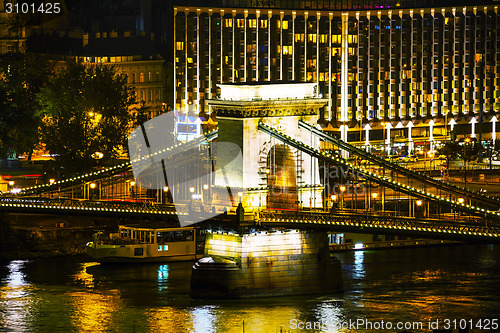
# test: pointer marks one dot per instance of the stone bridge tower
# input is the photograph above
(267, 162)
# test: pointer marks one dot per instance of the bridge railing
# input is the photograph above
(382, 180)
(479, 197)
(371, 222)
(85, 205)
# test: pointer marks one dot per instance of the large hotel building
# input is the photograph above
(394, 73)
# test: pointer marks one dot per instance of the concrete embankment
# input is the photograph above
(31, 236)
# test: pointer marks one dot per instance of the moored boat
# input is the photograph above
(141, 244)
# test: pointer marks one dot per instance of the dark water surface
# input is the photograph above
(410, 286)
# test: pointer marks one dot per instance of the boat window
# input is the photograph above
(189, 235)
(160, 248)
(180, 236)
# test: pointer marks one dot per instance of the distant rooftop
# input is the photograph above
(330, 5)
(265, 90)
(93, 46)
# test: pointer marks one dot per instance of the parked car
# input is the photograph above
(409, 158)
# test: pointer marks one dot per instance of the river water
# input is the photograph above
(408, 287)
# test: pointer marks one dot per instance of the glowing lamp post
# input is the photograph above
(165, 191)
(334, 198)
(132, 184)
(460, 201)
(374, 197)
(342, 190)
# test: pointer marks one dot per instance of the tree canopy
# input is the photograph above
(85, 111)
(22, 77)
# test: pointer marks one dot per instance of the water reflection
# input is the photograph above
(16, 299)
(359, 265)
(96, 311)
(69, 294)
(162, 277)
(204, 318)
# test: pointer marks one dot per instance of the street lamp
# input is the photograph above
(164, 196)
(430, 155)
(51, 181)
(342, 190)
(334, 198)
(92, 185)
(460, 200)
(374, 196)
(466, 143)
(383, 139)
(11, 183)
(132, 184)
(205, 187)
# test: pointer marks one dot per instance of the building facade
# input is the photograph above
(135, 57)
(389, 74)
(12, 31)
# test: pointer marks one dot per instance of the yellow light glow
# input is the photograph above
(419, 202)
(205, 187)
(92, 185)
(11, 183)
(132, 183)
(165, 189)
(461, 200)
(51, 181)
(191, 189)
(342, 188)
(375, 195)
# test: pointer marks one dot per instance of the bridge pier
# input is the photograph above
(265, 263)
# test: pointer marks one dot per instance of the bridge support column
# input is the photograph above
(271, 263)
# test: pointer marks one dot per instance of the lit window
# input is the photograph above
(285, 25)
(160, 248)
(263, 23)
(141, 79)
(240, 23)
(228, 23)
(336, 38)
(150, 77)
(180, 46)
(299, 37)
(165, 247)
(252, 23)
(312, 38)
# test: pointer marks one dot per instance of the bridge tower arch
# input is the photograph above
(239, 109)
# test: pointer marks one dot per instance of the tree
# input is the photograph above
(451, 150)
(22, 77)
(85, 111)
